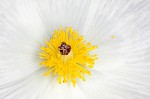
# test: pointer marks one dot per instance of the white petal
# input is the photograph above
(123, 61)
(37, 86)
(18, 49)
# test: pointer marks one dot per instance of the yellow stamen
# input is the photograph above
(112, 36)
(67, 56)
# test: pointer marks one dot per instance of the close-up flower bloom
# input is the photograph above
(74, 49)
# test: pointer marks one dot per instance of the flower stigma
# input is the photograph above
(67, 56)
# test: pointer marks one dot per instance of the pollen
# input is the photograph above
(67, 56)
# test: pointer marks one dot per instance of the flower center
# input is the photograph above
(67, 56)
(64, 48)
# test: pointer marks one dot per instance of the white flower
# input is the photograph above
(120, 29)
